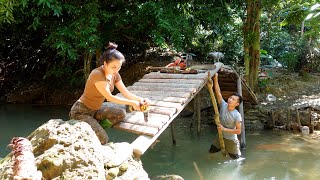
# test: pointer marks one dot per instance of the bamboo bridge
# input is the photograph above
(169, 94)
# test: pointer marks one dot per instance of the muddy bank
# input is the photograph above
(287, 98)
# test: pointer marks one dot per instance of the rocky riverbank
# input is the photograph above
(294, 96)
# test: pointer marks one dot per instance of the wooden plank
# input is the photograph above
(181, 81)
(163, 110)
(158, 75)
(180, 100)
(228, 88)
(144, 88)
(137, 129)
(154, 120)
(167, 93)
(229, 84)
(155, 97)
(178, 106)
(167, 85)
(169, 111)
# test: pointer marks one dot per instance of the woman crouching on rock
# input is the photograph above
(100, 83)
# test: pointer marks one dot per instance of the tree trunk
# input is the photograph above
(251, 31)
(98, 54)
(87, 65)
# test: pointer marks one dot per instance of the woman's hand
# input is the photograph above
(145, 101)
(136, 105)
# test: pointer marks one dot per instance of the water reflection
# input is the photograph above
(268, 154)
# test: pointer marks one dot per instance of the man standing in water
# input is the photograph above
(230, 120)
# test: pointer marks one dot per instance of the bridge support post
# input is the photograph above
(173, 134)
(243, 133)
(197, 112)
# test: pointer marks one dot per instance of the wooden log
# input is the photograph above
(288, 118)
(137, 129)
(154, 120)
(217, 114)
(148, 88)
(174, 81)
(298, 118)
(167, 93)
(168, 85)
(157, 75)
(243, 132)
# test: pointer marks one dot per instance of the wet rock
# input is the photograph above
(119, 153)
(167, 177)
(113, 172)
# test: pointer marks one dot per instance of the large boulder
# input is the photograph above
(71, 150)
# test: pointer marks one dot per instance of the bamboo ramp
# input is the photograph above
(169, 93)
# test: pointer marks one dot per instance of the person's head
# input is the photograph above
(112, 59)
(235, 100)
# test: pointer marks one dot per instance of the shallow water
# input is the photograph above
(268, 154)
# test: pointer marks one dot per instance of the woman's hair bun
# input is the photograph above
(111, 46)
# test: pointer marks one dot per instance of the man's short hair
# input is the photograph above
(239, 96)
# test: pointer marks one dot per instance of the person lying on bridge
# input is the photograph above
(99, 86)
(230, 120)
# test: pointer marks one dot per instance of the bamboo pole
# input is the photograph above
(216, 112)
(198, 171)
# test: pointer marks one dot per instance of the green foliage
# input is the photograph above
(263, 83)
(67, 30)
(284, 40)
(305, 75)
(6, 10)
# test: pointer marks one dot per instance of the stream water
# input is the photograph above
(268, 154)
